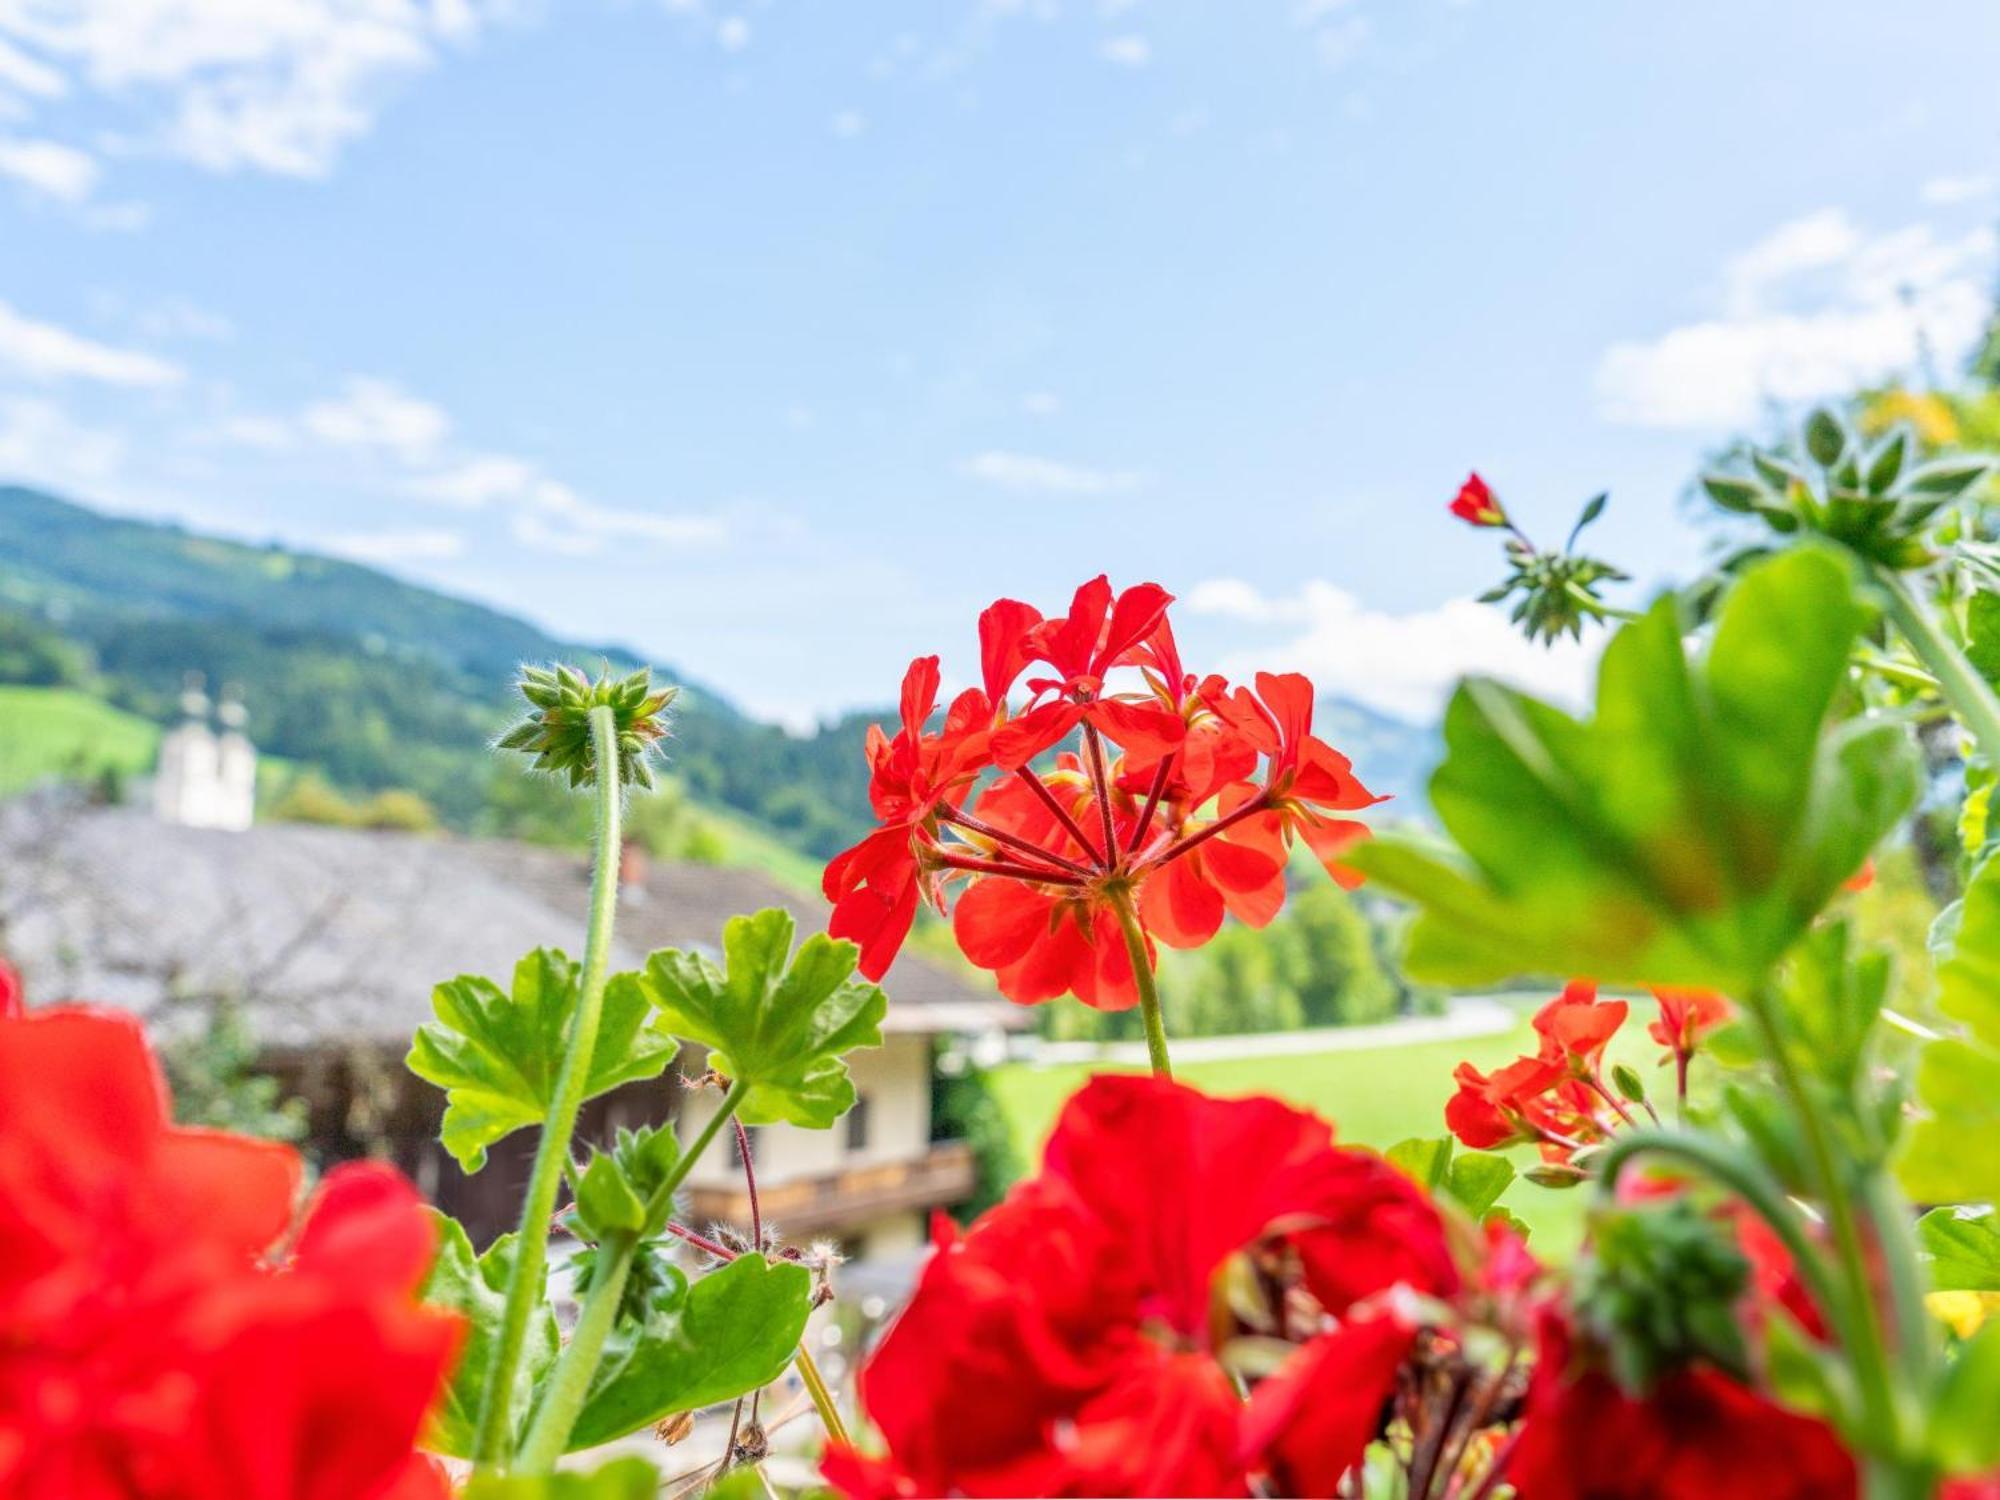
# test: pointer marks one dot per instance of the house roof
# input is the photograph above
(339, 934)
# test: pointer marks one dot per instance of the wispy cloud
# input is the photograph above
(1402, 664)
(1816, 307)
(1026, 472)
(1950, 190)
(45, 351)
(378, 414)
(50, 168)
(271, 87)
(39, 441)
(1128, 51)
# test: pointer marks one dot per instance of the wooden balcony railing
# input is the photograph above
(840, 1200)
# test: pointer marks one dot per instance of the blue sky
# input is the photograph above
(778, 338)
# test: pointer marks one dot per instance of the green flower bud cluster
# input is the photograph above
(1659, 1289)
(1875, 501)
(556, 731)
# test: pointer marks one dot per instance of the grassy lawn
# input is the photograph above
(1374, 1098)
(61, 732)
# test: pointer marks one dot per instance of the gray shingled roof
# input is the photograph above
(336, 934)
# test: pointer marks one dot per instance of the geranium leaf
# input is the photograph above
(475, 1286)
(620, 1479)
(1688, 831)
(1964, 1248)
(728, 1333)
(776, 1022)
(1952, 1153)
(496, 1055)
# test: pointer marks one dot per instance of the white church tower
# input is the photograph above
(206, 779)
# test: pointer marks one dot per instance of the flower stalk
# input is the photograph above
(491, 1439)
(1143, 976)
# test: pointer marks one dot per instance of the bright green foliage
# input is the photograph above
(1963, 1435)
(1689, 831)
(556, 731)
(497, 1055)
(620, 1479)
(1659, 1288)
(1555, 593)
(476, 1288)
(1872, 500)
(1474, 1180)
(1964, 1248)
(1953, 1153)
(728, 1333)
(777, 1023)
(618, 1187)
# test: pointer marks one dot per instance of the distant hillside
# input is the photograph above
(380, 683)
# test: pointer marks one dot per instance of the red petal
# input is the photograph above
(367, 1229)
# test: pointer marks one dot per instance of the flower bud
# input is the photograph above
(1476, 505)
(556, 731)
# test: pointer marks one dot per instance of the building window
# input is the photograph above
(857, 1124)
(737, 1142)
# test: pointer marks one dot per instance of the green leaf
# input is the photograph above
(1740, 495)
(1886, 462)
(1477, 1179)
(619, 1183)
(1424, 1162)
(1982, 633)
(1948, 477)
(620, 1479)
(1964, 1437)
(781, 1027)
(1964, 1248)
(1688, 832)
(1952, 1153)
(497, 1055)
(475, 1287)
(729, 1333)
(1826, 439)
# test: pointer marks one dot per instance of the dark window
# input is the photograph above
(857, 1124)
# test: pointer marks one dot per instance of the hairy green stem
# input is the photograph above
(1149, 985)
(491, 1437)
(1866, 1347)
(569, 1382)
(822, 1398)
(1964, 689)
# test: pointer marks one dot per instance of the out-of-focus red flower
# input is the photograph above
(1698, 1435)
(1157, 818)
(1308, 1425)
(1498, 1109)
(1557, 1097)
(1862, 878)
(1063, 1345)
(1476, 505)
(1685, 1017)
(10, 992)
(149, 1342)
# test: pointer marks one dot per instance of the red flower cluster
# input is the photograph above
(1698, 1435)
(1558, 1096)
(1476, 505)
(1066, 1344)
(1153, 827)
(165, 1330)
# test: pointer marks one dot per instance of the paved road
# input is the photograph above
(1464, 1016)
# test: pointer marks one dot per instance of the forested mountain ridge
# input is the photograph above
(378, 683)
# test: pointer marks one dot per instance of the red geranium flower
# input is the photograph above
(149, 1342)
(1475, 504)
(1576, 1026)
(1066, 1344)
(1698, 1435)
(1152, 830)
(1685, 1017)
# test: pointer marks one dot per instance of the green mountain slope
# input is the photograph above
(380, 683)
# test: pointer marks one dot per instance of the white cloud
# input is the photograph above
(62, 172)
(269, 85)
(44, 351)
(270, 434)
(41, 442)
(732, 33)
(477, 481)
(1404, 665)
(378, 414)
(549, 513)
(1949, 190)
(1815, 308)
(848, 123)
(1130, 51)
(1024, 471)
(396, 546)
